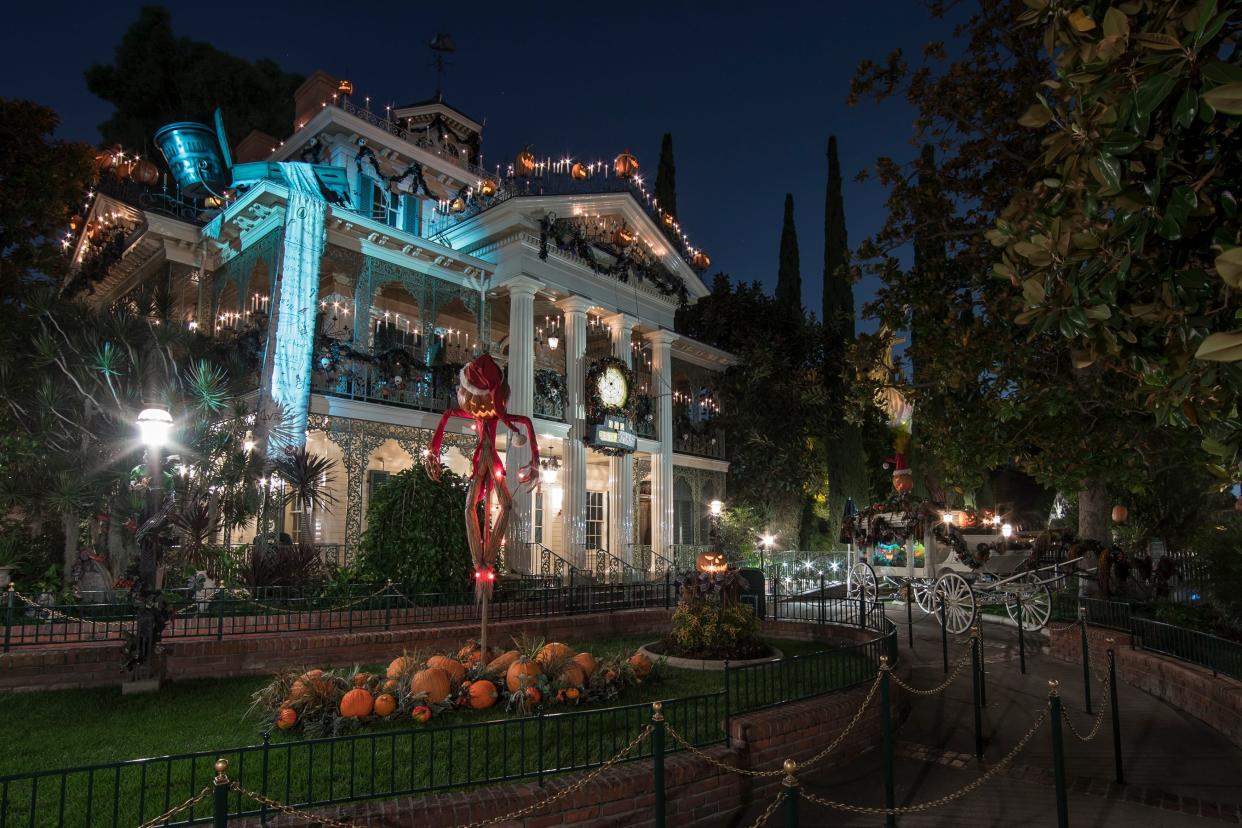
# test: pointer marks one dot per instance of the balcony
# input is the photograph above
(405, 385)
(154, 199)
(644, 417)
(709, 443)
(549, 395)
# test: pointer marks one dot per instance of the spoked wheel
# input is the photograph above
(924, 594)
(861, 576)
(1036, 605)
(959, 602)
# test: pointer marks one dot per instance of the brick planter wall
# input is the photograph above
(698, 793)
(1214, 700)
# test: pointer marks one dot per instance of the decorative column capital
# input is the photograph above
(575, 304)
(661, 337)
(522, 285)
(621, 322)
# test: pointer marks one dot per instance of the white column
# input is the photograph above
(573, 510)
(522, 291)
(621, 467)
(662, 461)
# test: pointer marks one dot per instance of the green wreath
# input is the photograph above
(596, 409)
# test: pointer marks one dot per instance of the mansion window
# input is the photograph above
(536, 528)
(596, 518)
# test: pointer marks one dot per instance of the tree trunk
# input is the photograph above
(69, 523)
(1093, 512)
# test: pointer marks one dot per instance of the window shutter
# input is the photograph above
(366, 194)
(409, 214)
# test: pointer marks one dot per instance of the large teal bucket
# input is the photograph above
(193, 156)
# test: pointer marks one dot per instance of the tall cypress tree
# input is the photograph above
(838, 289)
(789, 273)
(666, 177)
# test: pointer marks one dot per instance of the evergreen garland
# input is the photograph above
(570, 237)
(414, 170)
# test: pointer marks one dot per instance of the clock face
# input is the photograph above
(612, 388)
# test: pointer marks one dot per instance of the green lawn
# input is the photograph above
(81, 727)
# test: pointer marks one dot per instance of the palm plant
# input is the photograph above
(308, 480)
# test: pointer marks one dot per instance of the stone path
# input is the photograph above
(1178, 771)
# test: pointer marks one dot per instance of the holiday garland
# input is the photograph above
(414, 170)
(596, 408)
(570, 237)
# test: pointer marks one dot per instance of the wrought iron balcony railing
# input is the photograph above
(707, 444)
(426, 389)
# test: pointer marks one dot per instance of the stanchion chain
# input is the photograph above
(944, 800)
(290, 810)
(940, 688)
(771, 809)
(338, 608)
(184, 806)
(1099, 718)
(57, 615)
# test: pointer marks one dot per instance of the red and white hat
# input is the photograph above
(483, 377)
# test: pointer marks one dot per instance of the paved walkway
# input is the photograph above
(1178, 771)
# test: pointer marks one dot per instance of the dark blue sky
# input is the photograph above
(750, 91)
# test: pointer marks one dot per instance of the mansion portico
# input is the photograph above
(425, 259)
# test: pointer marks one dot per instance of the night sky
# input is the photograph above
(750, 91)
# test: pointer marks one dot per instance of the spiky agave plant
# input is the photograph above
(309, 480)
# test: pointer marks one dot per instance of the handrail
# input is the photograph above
(608, 565)
(551, 563)
(647, 560)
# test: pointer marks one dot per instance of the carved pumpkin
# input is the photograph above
(579, 171)
(641, 664)
(711, 562)
(1120, 514)
(522, 667)
(144, 172)
(481, 695)
(434, 682)
(903, 481)
(624, 236)
(385, 704)
(286, 718)
(524, 164)
(700, 261)
(488, 188)
(553, 651)
(587, 662)
(668, 220)
(400, 666)
(455, 669)
(501, 663)
(357, 704)
(345, 87)
(625, 165)
(458, 205)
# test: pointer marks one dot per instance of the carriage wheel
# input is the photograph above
(861, 574)
(959, 602)
(1036, 606)
(924, 594)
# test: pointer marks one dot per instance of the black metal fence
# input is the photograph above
(404, 761)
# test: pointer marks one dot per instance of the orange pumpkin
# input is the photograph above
(571, 693)
(573, 675)
(641, 664)
(501, 663)
(385, 704)
(903, 481)
(468, 649)
(390, 685)
(454, 668)
(400, 666)
(434, 682)
(552, 651)
(1120, 514)
(481, 695)
(144, 172)
(361, 679)
(522, 667)
(286, 718)
(587, 662)
(311, 678)
(421, 714)
(357, 704)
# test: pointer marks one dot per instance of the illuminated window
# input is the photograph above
(537, 519)
(596, 517)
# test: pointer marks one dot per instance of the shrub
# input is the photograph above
(1219, 544)
(415, 533)
(709, 622)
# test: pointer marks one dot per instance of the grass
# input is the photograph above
(75, 728)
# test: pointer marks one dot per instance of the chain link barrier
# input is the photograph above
(768, 811)
(57, 615)
(944, 685)
(184, 806)
(1099, 718)
(944, 800)
(284, 611)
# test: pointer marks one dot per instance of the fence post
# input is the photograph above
(1058, 753)
(909, 614)
(8, 616)
(976, 692)
(862, 606)
(539, 746)
(983, 666)
(1086, 658)
(886, 727)
(657, 757)
(821, 599)
(667, 589)
(219, 620)
(267, 745)
(388, 604)
(220, 799)
(944, 632)
(791, 794)
(1112, 700)
(728, 740)
(1021, 637)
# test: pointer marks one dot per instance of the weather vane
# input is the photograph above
(441, 45)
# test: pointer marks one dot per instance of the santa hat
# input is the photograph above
(897, 462)
(482, 376)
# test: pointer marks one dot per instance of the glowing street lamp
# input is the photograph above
(716, 508)
(1007, 530)
(154, 426)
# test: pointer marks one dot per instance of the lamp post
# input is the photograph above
(715, 510)
(154, 427)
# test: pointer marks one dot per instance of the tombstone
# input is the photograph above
(94, 582)
(752, 590)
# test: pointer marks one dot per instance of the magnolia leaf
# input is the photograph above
(1107, 170)
(1082, 359)
(1229, 267)
(1187, 108)
(1027, 316)
(1099, 312)
(1037, 116)
(1002, 271)
(1116, 24)
(1033, 291)
(1080, 20)
(1157, 40)
(1221, 347)
(1225, 98)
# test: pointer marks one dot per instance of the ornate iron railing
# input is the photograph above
(425, 389)
(608, 568)
(153, 199)
(549, 395)
(647, 560)
(709, 444)
(551, 565)
(684, 555)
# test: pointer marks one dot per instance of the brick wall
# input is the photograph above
(1214, 700)
(698, 793)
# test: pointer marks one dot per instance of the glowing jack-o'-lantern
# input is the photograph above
(625, 165)
(579, 171)
(144, 172)
(700, 261)
(345, 87)
(524, 164)
(458, 205)
(624, 236)
(488, 188)
(668, 220)
(711, 562)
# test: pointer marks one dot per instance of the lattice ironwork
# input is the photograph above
(237, 270)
